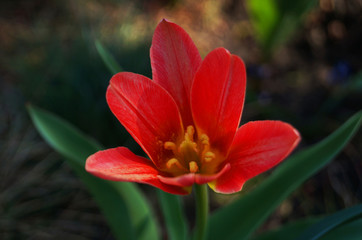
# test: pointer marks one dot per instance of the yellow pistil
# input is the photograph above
(193, 167)
(188, 143)
(188, 148)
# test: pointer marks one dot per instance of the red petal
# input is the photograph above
(217, 97)
(257, 147)
(146, 110)
(120, 164)
(191, 178)
(175, 60)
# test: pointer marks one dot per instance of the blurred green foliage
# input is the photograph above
(73, 80)
(123, 204)
(274, 21)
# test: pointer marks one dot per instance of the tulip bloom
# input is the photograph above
(186, 120)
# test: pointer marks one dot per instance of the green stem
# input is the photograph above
(202, 210)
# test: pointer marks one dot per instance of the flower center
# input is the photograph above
(190, 154)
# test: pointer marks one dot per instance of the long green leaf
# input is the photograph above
(113, 206)
(122, 203)
(173, 214)
(329, 223)
(239, 219)
(107, 58)
(288, 231)
(350, 230)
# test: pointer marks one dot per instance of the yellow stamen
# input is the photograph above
(193, 167)
(206, 144)
(170, 146)
(174, 162)
(208, 156)
(204, 139)
(189, 135)
(191, 154)
(188, 147)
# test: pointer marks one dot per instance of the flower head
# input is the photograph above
(186, 120)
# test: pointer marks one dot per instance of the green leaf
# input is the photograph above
(63, 137)
(329, 223)
(275, 20)
(107, 58)
(173, 214)
(239, 219)
(123, 204)
(350, 230)
(288, 231)
(112, 204)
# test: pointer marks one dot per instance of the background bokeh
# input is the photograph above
(304, 65)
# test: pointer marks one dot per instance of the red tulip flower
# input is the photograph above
(186, 120)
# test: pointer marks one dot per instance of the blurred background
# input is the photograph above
(303, 60)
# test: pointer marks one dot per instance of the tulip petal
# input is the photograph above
(175, 60)
(257, 147)
(146, 110)
(120, 164)
(191, 178)
(217, 97)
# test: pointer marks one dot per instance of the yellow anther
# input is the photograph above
(189, 135)
(173, 162)
(193, 167)
(204, 139)
(208, 156)
(170, 145)
(190, 130)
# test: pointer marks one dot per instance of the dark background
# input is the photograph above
(312, 79)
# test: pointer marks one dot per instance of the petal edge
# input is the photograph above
(146, 110)
(217, 109)
(257, 147)
(120, 164)
(175, 60)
